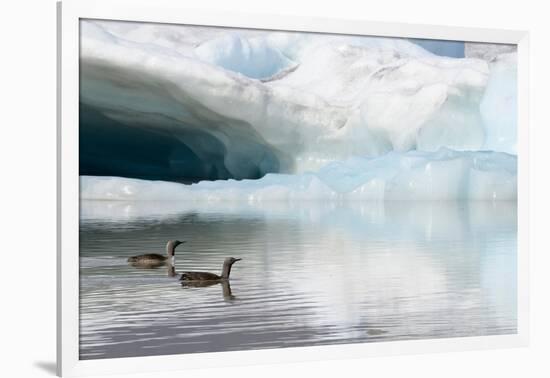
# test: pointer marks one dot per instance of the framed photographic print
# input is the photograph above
(283, 189)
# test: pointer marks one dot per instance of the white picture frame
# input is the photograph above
(170, 11)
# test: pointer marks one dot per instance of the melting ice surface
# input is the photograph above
(444, 175)
(168, 101)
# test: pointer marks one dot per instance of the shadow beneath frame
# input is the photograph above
(47, 366)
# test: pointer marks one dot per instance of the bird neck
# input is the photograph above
(226, 269)
(170, 250)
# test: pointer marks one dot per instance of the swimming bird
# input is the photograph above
(154, 259)
(187, 277)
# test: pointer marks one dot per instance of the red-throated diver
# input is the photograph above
(150, 259)
(206, 276)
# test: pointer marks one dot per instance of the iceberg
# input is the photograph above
(440, 175)
(252, 57)
(487, 51)
(245, 103)
(499, 105)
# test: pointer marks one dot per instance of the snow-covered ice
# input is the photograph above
(246, 103)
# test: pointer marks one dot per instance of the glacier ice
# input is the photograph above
(487, 51)
(252, 57)
(245, 103)
(499, 105)
(440, 175)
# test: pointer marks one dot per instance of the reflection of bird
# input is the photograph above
(171, 270)
(226, 288)
(154, 259)
(187, 277)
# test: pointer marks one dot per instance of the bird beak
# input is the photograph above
(237, 260)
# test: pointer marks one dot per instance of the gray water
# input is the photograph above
(311, 274)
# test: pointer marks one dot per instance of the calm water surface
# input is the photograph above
(311, 274)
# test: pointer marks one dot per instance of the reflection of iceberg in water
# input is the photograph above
(400, 270)
(424, 244)
(429, 221)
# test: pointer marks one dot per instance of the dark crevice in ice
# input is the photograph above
(183, 153)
